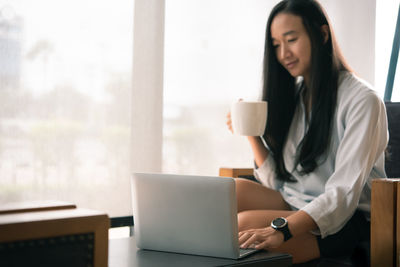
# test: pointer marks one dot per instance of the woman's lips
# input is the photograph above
(291, 64)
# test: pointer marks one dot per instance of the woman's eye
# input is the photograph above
(292, 40)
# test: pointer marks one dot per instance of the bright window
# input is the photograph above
(213, 56)
(65, 83)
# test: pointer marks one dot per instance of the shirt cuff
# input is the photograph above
(324, 222)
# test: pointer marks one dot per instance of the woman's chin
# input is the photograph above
(294, 73)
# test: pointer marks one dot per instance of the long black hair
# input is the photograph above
(279, 90)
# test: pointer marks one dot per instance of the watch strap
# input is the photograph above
(283, 229)
(286, 232)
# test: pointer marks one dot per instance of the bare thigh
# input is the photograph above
(254, 196)
(302, 247)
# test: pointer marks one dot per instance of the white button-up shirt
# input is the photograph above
(342, 183)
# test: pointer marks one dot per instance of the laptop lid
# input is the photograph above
(185, 214)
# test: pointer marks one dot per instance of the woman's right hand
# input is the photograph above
(229, 122)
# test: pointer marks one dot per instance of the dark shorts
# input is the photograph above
(344, 242)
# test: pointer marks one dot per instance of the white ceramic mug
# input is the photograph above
(249, 118)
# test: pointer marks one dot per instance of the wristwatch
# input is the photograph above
(281, 224)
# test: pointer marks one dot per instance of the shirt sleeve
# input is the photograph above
(266, 174)
(364, 140)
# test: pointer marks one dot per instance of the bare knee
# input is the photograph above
(254, 196)
(242, 185)
(243, 193)
(240, 193)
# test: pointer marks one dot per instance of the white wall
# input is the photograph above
(354, 25)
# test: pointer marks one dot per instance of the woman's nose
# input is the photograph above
(284, 51)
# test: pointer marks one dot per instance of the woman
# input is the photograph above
(324, 142)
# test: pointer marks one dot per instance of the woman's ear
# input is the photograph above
(325, 32)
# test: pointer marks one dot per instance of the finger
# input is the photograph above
(243, 237)
(228, 119)
(256, 234)
(244, 232)
(250, 241)
(230, 128)
(252, 246)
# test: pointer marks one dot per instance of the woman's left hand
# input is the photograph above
(262, 238)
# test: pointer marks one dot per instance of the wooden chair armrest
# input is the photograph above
(385, 222)
(235, 172)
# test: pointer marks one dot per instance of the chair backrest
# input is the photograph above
(392, 162)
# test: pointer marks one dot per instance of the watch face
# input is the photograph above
(279, 222)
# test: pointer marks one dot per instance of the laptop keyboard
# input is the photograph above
(245, 251)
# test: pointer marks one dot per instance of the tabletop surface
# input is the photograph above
(123, 253)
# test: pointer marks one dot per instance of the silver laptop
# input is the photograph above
(186, 214)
